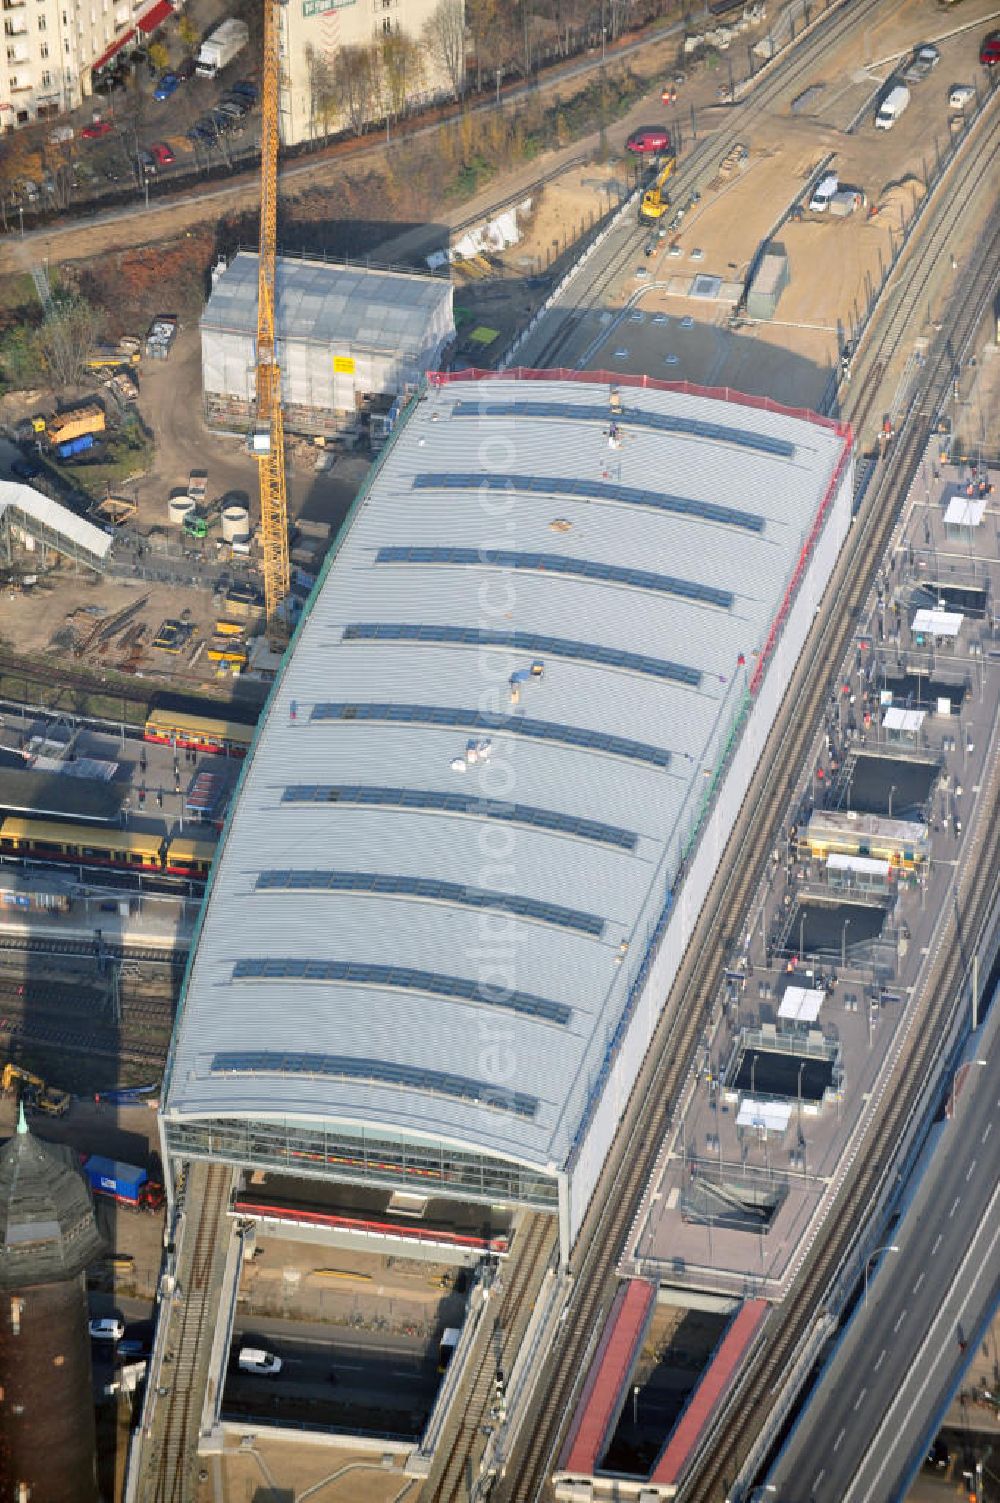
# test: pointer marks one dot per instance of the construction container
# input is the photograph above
(69, 425)
(770, 281)
(235, 524)
(179, 507)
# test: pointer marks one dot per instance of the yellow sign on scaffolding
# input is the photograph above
(343, 365)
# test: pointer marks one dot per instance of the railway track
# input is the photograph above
(649, 1112)
(176, 1457)
(32, 944)
(904, 296)
(703, 162)
(536, 1252)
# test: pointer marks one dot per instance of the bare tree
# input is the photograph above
(352, 86)
(402, 71)
(66, 337)
(323, 102)
(444, 39)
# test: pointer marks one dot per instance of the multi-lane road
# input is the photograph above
(878, 1402)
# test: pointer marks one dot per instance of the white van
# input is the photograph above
(823, 192)
(892, 107)
(253, 1359)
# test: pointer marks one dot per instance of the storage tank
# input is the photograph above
(235, 524)
(179, 507)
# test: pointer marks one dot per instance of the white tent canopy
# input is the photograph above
(896, 719)
(801, 1004)
(771, 1116)
(938, 623)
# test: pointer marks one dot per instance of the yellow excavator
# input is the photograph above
(34, 1089)
(655, 201)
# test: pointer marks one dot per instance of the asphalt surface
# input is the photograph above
(346, 1368)
(876, 1408)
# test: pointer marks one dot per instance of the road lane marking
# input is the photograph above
(918, 1283)
(881, 1359)
(818, 1478)
(836, 1444)
(986, 1132)
(958, 1200)
(899, 1322)
(859, 1400)
(937, 1243)
(971, 1171)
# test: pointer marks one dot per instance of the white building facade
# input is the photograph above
(316, 30)
(52, 47)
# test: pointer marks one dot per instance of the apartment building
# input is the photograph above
(315, 30)
(51, 49)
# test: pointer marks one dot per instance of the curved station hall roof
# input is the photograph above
(487, 755)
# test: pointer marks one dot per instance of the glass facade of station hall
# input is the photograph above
(354, 1154)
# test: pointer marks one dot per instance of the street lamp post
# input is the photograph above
(843, 944)
(889, 1247)
(892, 789)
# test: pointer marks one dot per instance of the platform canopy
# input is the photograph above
(938, 623)
(801, 1004)
(771, 1116)
(965, 511)
(896, 719)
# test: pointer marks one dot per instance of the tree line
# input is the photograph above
(464, 45)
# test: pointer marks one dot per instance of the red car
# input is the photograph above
(97, 130)
(989, 52)
(649, 138)
(161, 154)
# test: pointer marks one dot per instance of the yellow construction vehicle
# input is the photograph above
(655, 201)
(33, 1088)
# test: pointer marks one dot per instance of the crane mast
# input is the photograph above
(269, 432)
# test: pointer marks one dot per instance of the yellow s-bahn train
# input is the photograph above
(225, 737)
(87, 845)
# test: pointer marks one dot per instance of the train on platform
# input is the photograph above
(44, 840)
(228, 738)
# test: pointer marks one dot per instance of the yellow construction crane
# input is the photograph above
(268, 438)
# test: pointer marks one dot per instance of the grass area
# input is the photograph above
(128, 454)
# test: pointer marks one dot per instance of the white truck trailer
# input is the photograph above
(219, 49)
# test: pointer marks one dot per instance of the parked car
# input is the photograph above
(649, 138)
(97, 130)
(167, 84)
(162, 154)
(110, 1328)
(26, 469)
(236, 105)
(60, 134)
(823, 192)
(925, 59)
(989, 51)
(253, 1359)
(146, 161)
(960, 96)
(247, 88)
(131, 1347)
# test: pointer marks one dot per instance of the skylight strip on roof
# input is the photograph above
(461, 804)
(590, 490)
(637, 417)
(557, 563)
(500, 725)
(375, 1072)
(400, 978)
(524, 641)
(378, 884)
